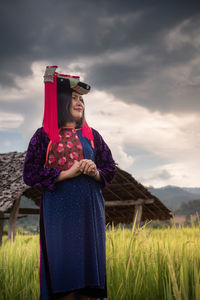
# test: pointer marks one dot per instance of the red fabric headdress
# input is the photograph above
(50, 122)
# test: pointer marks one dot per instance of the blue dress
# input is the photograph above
(72, 237)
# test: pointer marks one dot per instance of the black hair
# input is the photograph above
(64, 100)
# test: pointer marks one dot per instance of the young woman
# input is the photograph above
(71, 163)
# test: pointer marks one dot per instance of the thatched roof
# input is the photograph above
(12, 185)
(120, 197)
(124, 188)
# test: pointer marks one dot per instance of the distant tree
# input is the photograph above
(190, 208)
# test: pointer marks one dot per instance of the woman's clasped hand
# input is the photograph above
(88, 167)
(84, 166)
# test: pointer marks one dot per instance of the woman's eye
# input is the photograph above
(75, 98)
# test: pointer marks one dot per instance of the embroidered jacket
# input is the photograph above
(35, 173)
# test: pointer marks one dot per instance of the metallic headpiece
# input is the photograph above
(74, 81)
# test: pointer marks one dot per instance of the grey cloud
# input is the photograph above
(67, 31)
(105, 113)
(164, 175)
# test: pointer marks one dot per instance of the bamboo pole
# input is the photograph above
(1, 226)
(128, 202)
(138, 215)
(13, 220)
(28, 211)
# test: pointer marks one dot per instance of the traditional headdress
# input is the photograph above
(50, 122)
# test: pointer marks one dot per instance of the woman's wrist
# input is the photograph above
(96, 173)
(65, 174)
(97, 176)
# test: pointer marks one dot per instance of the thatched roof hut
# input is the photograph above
(124, 199)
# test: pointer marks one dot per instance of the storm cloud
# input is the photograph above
(142, 52)
(142, 61)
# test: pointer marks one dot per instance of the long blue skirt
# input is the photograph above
(72, 240)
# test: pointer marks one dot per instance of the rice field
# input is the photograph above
(142, 264)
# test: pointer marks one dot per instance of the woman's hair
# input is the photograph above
(64, 100)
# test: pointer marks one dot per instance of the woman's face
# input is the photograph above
(77, 106)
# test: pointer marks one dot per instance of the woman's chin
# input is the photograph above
(77, 119)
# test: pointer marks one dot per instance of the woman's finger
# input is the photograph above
(92, 168)
(82, 165)
(86, 168)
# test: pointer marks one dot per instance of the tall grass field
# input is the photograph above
(142, 264)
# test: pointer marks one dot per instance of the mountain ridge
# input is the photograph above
(173, 196)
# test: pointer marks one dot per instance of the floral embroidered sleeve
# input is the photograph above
(104, 160)
(35, 174)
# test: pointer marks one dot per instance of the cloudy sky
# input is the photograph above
(142, 59)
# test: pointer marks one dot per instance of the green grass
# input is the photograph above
(19, 268)
(143, 264)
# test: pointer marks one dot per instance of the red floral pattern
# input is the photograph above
(61, 155)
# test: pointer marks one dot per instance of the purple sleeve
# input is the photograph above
(35, 174)
(104, 160)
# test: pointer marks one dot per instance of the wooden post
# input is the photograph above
(138, 215)
(1, 226)
(13, 219)
(128, 202)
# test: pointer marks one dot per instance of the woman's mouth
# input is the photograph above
(78, 109)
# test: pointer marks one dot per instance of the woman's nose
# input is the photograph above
(79, 101)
